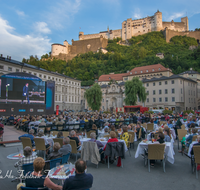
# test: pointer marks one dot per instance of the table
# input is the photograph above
(58, 172)
(190, 147)
(15, 157)
(168, 150)
(104, 142)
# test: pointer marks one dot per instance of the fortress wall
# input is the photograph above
(91, 36)
(177, 26)
(84, 46)
(171, 33)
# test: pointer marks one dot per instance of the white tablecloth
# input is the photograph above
(190, 147)
(168, 151)
(103, 142)
(171, 130)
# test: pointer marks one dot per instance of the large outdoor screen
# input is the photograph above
(21, 91)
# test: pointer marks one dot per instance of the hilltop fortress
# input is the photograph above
(130, 28)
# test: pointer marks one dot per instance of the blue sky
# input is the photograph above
(29, 27)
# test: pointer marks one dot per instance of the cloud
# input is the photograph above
(21, 46)
(137, 13)
(176, 15)
(62, 13)
(42, 27)
(20, 13)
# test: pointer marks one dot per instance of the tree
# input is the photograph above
(93, 96)
(134, 89)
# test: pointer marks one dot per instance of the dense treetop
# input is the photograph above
(140, 51)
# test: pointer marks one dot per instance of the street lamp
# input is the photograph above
(7, 85)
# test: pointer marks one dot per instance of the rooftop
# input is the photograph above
(33, 67)
(189, 72)
(167, 78)
(136, 71)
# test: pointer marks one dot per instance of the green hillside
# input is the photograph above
(140, 51)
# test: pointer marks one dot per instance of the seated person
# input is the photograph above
(197, 144)
(81, 180)
(28, 157)
(112, 139)
(55, 154)
(189, 138)
(125, 135)
(94, 128)
(167, 134)
(43, 123)
(66, 148)
(160, 140)
(41, 180)
(41, 135)
(137, 130)
(74, 137)
(99, 145)
(30, 135)
(169, 123)
(106, 126)
(60, 135)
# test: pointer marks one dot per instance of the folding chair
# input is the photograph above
(89, 132)
(65, 158)
(150, 126)
(54, 162)
(181, 134)
(74, 147)
(196, 150)
(129, 142)
(54, 133)
(40, 145)
(26, 142)
(59, 140)
(27, 168)
(156, 152)
(194, 138)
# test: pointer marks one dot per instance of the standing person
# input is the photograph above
(26, 93)
(81, 180)
(1, 132)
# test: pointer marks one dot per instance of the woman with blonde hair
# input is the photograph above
(167, 134)
(39, 180)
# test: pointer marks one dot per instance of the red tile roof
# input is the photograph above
(136, 71)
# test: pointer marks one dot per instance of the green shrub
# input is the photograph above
(188, 111)
(167, 112)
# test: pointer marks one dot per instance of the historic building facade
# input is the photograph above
(67, 89)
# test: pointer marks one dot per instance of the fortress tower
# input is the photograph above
(158, 21)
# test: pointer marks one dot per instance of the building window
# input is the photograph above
(141, 71)
(1, 66)
(189, 100)
(166, 99)
(172, 81)
(154, 100)
(152, 69)
(189, 92)
(56, 97)
(35, 74)
(173, 99)
(194, 93)
(154, 92)
(9, 68)
(160, 99)
(147, 84)
(62, 80)
(154, 84)
(147, 71)
(181, 98)
(29, 72)
(166, 91)
(181, 81)
(147, 92)
(165, 82)
(181, 91)
(17, 70)
(24, 71)
(59, 97)
(173, 90)
(160, 91)
(102, 100)
(59, 80)
(159, 69)
(40, 75)
(135, 72)
(147, 99)
(56, 88)
(160, 83)
(45, 76)
(188, 84)
(49, 77)
(194, 100)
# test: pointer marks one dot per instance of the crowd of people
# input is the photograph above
(117, 126)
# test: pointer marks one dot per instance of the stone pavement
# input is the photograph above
(11, 134)
(132, 176)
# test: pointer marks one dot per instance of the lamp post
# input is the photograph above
(7, 85)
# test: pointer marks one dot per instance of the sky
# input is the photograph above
(29, 27)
